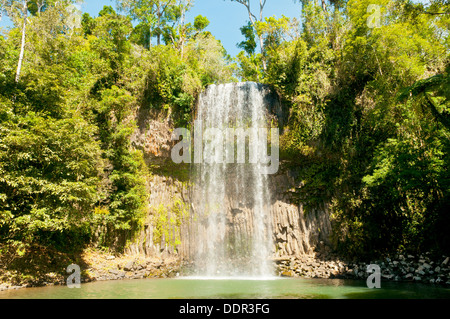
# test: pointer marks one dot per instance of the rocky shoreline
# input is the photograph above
(109, 268)
(399, 268)
(138, 269)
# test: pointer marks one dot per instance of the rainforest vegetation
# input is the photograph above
(366, 84)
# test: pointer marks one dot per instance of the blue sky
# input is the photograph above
(226, 17)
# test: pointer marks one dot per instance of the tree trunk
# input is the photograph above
(262, 4)
(22, 45)
(150, 38)
(254, 20)
(158, 14)
(183, 37)
(40, 5)
(261, 43)
(182, 49)
(158, 36)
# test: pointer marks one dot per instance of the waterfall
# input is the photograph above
(231, 199)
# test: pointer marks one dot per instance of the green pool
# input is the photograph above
(201, 288)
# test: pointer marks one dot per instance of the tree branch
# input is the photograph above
(435, 13)
(253, 21)
(246, 3)
(166, 6)
(262, 4)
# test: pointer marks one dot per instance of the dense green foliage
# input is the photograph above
(369, 117)
(368, 126)
(67, 166)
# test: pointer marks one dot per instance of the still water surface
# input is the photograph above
(198, 288)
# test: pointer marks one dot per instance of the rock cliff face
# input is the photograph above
(164, 230)
(296, 232)
(171, 228)
(167, 188)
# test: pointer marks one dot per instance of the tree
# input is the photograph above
(254, 21)
(249, 45)
(184, 29)
(112, 31)
(87, 23)
(161, 8)
(394, 186)
(49, 176)
(324, 5)
(432, 93)
(22, 42)
(140, 10)
(18, 11)
(154, 14)
(37, 6)
(434, 7)
(201, 23)
(274, 32)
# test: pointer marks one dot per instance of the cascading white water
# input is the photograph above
(231, 200)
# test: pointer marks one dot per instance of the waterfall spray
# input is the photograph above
(231, 198)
